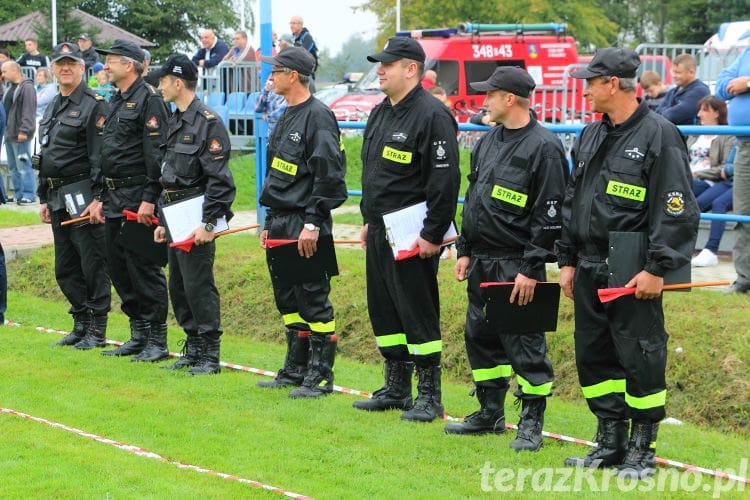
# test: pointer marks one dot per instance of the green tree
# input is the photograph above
(353, 57)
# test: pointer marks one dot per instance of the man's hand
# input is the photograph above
(44, 213)
(459, 270)
(145, 212)
(263, 238)
(22, 137)
(567, 273)
(95, 212)
(160, 234)
(523, 289)
(647, 285)
(426, 249)
(202, 236)
(738, 85)
(307, 243)
(363, 236)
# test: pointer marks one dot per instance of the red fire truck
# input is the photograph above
(470, 53)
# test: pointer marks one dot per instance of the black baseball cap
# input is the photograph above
(612, 61)
(84, 36)
(296, 58)
(124, 48)
(399, 47)
(67, 50)
(512, 79)
(178, 65)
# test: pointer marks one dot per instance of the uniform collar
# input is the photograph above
(404, 104)
(640, 112)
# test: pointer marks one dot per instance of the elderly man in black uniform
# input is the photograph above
(631, 175)
(305, 181)
(70, 140)
(195, 163)
(134, 130)
(511, 219)
(409, 156)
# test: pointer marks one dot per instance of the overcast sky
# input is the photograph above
(330, 22)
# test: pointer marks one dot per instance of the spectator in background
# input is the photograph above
(32, 57)
(680, 104)
(149, 77)
(718, 198)
(241, 52)
(20, 107)
(440, 95)
(92, 82)
(286, 40)
(709, 152)
(46, 90)
(4, 56)
(733, 83)
(654, 89)
(271, 105)
(303, 38)
(212, 51)
(429, 80)
(90, 56)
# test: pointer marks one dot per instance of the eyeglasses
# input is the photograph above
(285, 70)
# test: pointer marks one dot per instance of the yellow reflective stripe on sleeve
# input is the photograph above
(509, 196)
(536, 390)
(427, 348)
(327, 327)
(604, 388)
(283, 166)
(396, 155)
(499, 371)
(647, 402)
(292, 318)
(629, 191)
(391, 340)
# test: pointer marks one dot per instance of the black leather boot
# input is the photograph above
(192, 349)
(81, 322)
(428, 406)
(489, 418)
(611, 444)
(396, 393)
(96, 336)
(319, 378)
(295, 362)
(139, 332)
(529, 437)
(156, 346)
(640, 459)
(209, 360)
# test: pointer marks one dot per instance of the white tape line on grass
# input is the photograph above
(559, 437)
(149, 454)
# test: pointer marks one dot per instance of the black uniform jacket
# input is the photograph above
(634, 177)
(514, 201)
(410, 155)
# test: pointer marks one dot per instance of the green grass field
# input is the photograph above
(324, 448)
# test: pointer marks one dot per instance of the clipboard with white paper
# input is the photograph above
(403, 226)
(185, 216)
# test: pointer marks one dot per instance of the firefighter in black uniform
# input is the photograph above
(409, 156)
(304, 182)
(70, 140)
(511, 219)
(630, 174)
(195, 163)
(134, 130)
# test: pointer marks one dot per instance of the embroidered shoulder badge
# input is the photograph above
(152, 123)
(674, 203)
(214, 146)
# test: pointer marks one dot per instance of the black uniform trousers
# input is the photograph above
(306, 306)
(139, 282)
(621, 348)
(493, 353)
(80, 265)
(195, 298)
(403, 302)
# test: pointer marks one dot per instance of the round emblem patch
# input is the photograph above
(675, 203)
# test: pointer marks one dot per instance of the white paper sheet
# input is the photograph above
(184, 217)
(403, 226)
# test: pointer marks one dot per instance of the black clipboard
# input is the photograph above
(288, 268)
(627, 256)
(139, 238)
(540, 315)
(76, 197)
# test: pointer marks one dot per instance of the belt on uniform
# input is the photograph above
(121, 182)
(56, 182)
(172, 195)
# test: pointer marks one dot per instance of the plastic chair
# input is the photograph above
(215, 99)
(236, 103)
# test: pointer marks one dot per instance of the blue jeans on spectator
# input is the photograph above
(719, 199)
(19, 164)
(699, 185)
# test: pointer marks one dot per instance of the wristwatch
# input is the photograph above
(209, 227)
(311, 227)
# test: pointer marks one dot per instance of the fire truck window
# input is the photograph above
(447, 74)
(479, 71)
